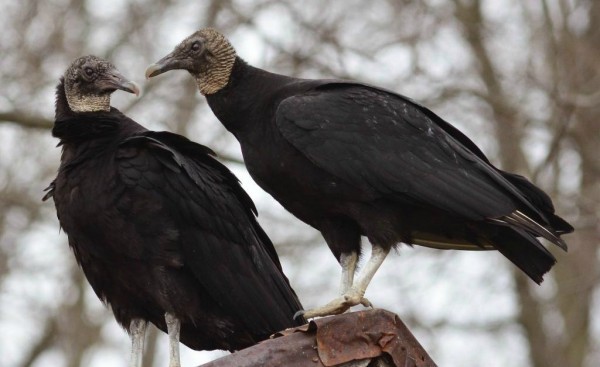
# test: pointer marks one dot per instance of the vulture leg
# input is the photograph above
(357, 292)
(348, 262)
(173, 327)
(354, 295)
(137, 330)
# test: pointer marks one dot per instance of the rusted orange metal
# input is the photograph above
(364, 338)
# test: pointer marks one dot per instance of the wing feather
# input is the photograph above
(388, 147)
(220, 241)
(391, 147)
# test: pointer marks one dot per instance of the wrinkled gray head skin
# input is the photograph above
(90, 81)
(206, 54)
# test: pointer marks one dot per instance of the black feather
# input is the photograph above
(334, 151)
(158, 225)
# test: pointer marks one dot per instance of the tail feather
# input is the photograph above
(516, 236)
(525, 251)
(518, 220)
(540, 200)
(560, 225)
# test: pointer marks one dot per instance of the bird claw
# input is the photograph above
(337, 306)
(365, 302)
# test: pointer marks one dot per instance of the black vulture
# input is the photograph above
(352, 159)
(163, 232)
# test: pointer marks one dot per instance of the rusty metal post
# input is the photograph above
(376, 338)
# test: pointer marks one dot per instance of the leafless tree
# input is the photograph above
(521, 78)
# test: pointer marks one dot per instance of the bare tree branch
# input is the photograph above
(26, 120)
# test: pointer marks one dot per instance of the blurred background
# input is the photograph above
(521, 78)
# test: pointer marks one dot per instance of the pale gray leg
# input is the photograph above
(173, 327)
(378, 255)
(355, 294)
(348, 262)
(137, 330)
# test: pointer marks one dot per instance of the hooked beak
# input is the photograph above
(117, 81)
(165, 64)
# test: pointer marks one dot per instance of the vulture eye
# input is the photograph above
(89, 71)
(195, 46)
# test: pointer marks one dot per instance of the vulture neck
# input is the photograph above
(91, 103)
(76, 128)
(217, 75)
(241, 103)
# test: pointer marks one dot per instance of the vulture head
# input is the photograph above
(206, 54)
(90, 81)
